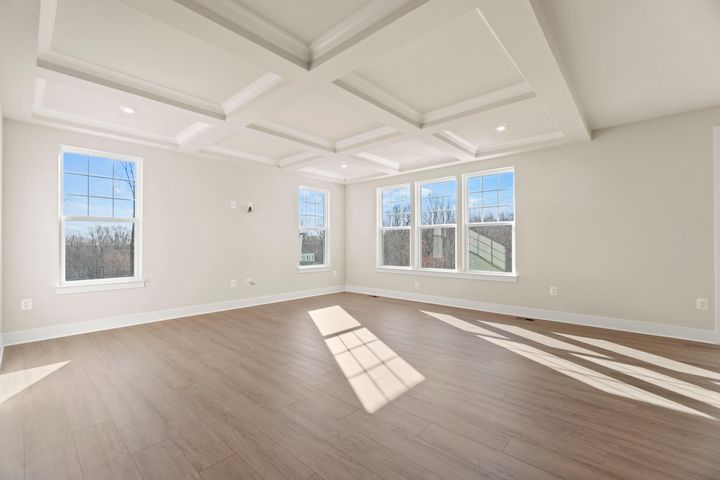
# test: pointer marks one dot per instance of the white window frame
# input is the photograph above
(467, 224)
(380, 228)
(419, 226)
(461, 238)
(326, 266)
(79, 286)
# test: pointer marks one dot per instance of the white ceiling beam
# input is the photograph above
(199, 21)
(529, 44)
(52, 67)
(377, 162)
(300, 160)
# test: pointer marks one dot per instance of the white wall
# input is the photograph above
(622, 225)
(1, 236)
(193, 243)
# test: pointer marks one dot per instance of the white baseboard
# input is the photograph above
(56, 331)
(661, 330)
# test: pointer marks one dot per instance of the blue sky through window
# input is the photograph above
(98, 186)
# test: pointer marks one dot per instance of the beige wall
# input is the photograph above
(1, 236)
(623, 226)
(193, 243)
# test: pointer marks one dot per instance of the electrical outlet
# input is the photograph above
(26, 304)
(233, 283)
(553, 291)
(701, 303)
(334, 273)
(233, 204)
(249, 282)
(417, 285)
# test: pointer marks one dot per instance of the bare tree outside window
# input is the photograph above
(395, 226)
(438, 215)
(99, 217)
(313, 229)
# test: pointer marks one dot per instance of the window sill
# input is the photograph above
(314, 268)
(98, 287)
(491, 277)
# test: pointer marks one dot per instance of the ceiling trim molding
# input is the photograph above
(137, 87)
(229, 152)
(195, 129)
(302, 138)
(46, 27)
(366, 138)
(259, 87)
(63, 119)
(351, 26)
(456, 110)
(299, 160)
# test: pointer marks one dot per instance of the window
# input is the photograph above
(100, 217)
(490, 221)
(312, 209)
(438, 207)
(395, 214)
(419, 235)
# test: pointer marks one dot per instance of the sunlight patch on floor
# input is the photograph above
(375, 372)
(332, 320)
(463, 325)
(591, 377)
(15, 382)
(664, 381)
(543, 339)
(650, 358)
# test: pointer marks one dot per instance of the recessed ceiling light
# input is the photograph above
(344, 165)
(501, 128)
(127, 110)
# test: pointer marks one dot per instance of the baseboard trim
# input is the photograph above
(634, 326)
(57, 331)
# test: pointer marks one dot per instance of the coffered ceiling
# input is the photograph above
(344, 90)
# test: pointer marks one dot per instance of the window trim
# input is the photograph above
(327, 264)
(461, 270)
(80, 286)
(419, 226)
(466, 225)
(380, 228)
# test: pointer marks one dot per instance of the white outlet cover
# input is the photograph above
(417, 285)
(233, 204)
(26, 304)
(701, 303)
(553, 291)
(233, 283)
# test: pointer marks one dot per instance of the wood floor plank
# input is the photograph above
(165, 461)
(382, 461)
(12, 448)
(49, 448)
(103, 454)
(251, 445)
(191, 434)
(232, 468)
(138, 424)
(256, 393)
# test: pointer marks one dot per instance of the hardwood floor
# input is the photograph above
(258, 393)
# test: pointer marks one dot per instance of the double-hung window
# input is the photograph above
(100, 217)
(313, 215)
(443, 232)
(438, 217)
(490, 221)
(395, 218)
